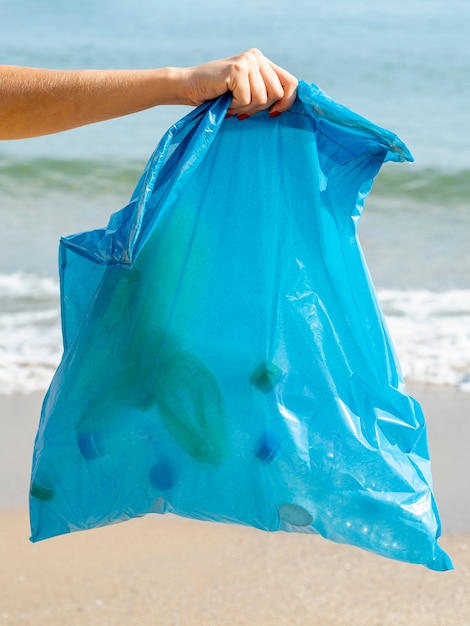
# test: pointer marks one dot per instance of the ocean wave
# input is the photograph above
(68, 175)
(30, 350)
(423, 185)
(21, 285)
(431, 334)
(20, 176)
(30, 335)
(430, 331)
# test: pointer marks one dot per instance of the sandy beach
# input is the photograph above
(167, 570)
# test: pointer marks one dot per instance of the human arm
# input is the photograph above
(37, 101)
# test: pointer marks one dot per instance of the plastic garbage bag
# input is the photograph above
(225, 357)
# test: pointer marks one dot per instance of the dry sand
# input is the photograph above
(166, 570)
(162, 571)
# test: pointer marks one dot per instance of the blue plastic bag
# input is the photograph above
(225, 357)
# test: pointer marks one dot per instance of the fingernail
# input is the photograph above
(275, 114)
(243, 116)
(228, 115)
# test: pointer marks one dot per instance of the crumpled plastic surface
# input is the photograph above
(225, 357)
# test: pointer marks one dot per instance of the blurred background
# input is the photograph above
(404, 65)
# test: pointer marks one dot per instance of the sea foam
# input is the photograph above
(431, 334)
(30, 335)
(430, 331)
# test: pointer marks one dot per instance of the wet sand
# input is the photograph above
(167, 570)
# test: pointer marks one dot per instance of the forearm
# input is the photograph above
(40, 101)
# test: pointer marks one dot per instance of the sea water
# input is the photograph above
(404, 65)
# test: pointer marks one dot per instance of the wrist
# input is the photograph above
(171, 85)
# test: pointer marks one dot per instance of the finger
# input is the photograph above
(258, 91)
(289, 87)
(239, 80)
(241, 94)
(257, 83)
(264, 89)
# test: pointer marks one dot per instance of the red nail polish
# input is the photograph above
(228, 115)
(243, 116)
(275, 114)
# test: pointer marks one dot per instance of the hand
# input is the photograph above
(255, 82)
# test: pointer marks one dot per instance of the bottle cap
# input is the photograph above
(268, 447)
(162, 475)
(41, 492)
(266, 376)
(91, 445)
(295, 515)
